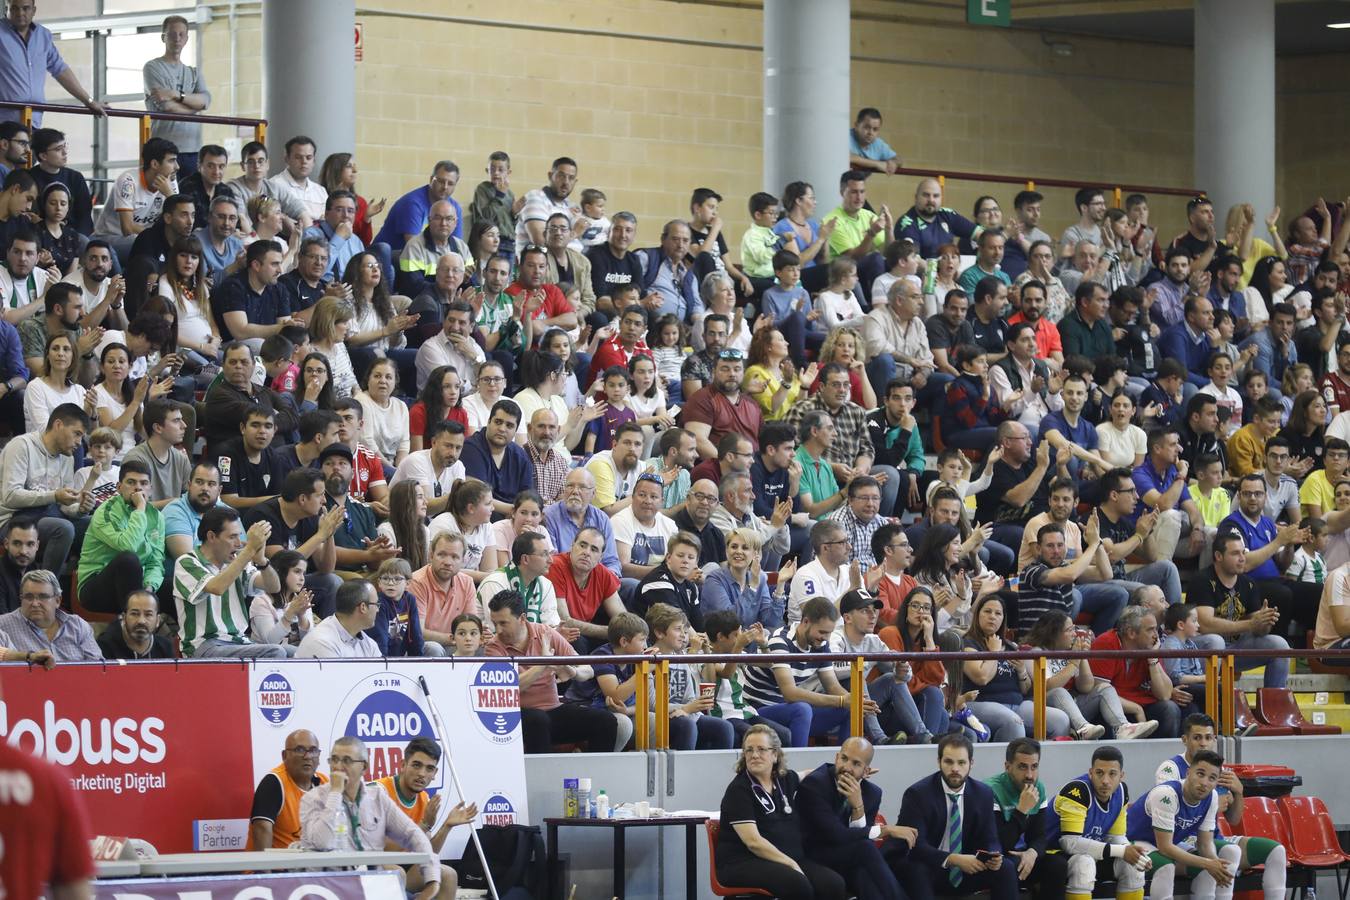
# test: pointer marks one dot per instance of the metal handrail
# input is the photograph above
(146, 117)
(1117, 190)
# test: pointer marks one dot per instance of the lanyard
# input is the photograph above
(32, 292)
(354, 820)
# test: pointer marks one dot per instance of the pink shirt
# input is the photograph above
(543, 692)
(438, 608)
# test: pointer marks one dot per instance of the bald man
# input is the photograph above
(929, 224)
(696, 518)
(838, 807)
(417, 262)
(274, 821)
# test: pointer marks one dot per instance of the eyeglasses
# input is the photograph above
(32, 597)
(833, 543)
(392, 579)
(921, 607)
(304, 751)
(703, 498)
(345, 761)
(491, 379)
(758, 751)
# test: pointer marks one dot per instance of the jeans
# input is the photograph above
(1104, 601)
(324, 588)
(1001, 558)
(795, 717)
(981, 438)
(1168, 715)
(890, 488)
(932, 708)
(700, 733)
(799, 334)
(56, 535)
(1006, 722)
(881, 369)
(1161, 574)
(213, 647)
(897, 708)
(1277, 668)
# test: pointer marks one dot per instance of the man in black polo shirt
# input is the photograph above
(1019, 488)
(987, 325)
(133, 636)
(299, 523)
(949, 329)
(1200, 240)
(1231, 607)
(156, 242)
(1199, 433)
(251, 471)
(251, 306)
(612, 266)
(307, 282)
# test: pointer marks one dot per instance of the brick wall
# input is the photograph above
(654, 98)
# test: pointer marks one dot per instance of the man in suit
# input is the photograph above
(838, 805)
(956, 848)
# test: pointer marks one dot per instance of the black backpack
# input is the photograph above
(516, 856)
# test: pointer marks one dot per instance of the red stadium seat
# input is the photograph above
(1277, 706)
(1243, 717)
(721, 890)
(1312, 834)
(1261, 818)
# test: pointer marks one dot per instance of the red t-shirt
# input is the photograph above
(285, 381)
(45, 834)
(555, 301)
(366, 470)
(582, 603)
(417, 419)
(1335, 391)
(710, 469)
(712, 408)
(612, 353)
(1128, 676)
(1047, 336)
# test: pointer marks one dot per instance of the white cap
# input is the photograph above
(584, 784)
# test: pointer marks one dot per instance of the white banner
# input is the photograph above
(382, 704)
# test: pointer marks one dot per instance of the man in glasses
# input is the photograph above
(1123, 535)
(829, 575)
(342, 635)
(49, 165)
(40, 630)
(720, 407)
(274, 821)
(372, 818)
(1267, 549)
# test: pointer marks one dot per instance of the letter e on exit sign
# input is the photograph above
(989, 12)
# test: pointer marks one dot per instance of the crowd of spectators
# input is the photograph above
(509, 427)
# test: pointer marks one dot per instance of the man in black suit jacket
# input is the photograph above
(838, 805)
(937, 864)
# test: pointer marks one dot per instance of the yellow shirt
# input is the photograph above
(1317, 491)
(1214, 508)
(765, 397)
(1259, 249)
(1246, 451)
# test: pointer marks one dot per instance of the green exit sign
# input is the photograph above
(989, 12)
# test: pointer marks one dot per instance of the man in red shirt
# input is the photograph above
(551, 307)
(588, 593)
(720, 407)
(544, 720)
(1141, 680)
(43, 830)
(1049, 347)
(369, 482)
(620, 348)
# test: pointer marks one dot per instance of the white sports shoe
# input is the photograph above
(1090, 732)
(1136, 730)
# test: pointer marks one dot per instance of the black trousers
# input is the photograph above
(814, 882)
(569, 723)
(862, 867)
(1049, 877)
(106, 590)
(922, 882)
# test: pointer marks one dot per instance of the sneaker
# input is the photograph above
(1090, 732)
(967, 718)
(899, 738)
(1135, 730)
(1247, 730)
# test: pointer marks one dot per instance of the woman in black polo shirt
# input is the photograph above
(760, 842)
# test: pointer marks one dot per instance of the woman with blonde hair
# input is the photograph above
(847, 348)
(268, 223)
(329, 325)
(741, 586)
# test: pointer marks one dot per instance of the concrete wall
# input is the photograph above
(655, 857)
(654, 98)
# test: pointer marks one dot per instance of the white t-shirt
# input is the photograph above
(130, 194)
(1119, 447)
(476, 410)
(39, 400)
(810, 581)
(417, 467)
(384, 429)
(648, 542)
(91, 298)
(192, 324)
(15, 294)
(838, 310)
(115, 406)
(475, 541)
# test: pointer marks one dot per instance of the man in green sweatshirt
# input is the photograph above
(124, 546)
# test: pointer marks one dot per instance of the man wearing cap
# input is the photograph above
(358, 545)
(899, 721)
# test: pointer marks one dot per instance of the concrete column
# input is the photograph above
(806, 95)
(1235, 103)
(309, 76)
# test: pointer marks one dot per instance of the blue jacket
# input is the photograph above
(754, 604)
(1176, 343)
(824, 813)
(924, 808)
(11, 353)
(652, 258)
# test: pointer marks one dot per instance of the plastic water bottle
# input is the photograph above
(602, 805)
(584, 807)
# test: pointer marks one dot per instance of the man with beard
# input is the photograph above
(1032, 302)
(721, 407)
(1165, 299)
(1200, 241)
(491, 455)
(417, 770)
(1086, 824)
(64, 312)
(275, 818)
(22, 281)
(183, 515)
(410, 213)
(359, 547)
(616, 470)
(929, 224)
(21, 547)
(676, 452)
(543, 303)
(1019, 806)
(103, 292)
(957, 848)
(223, 249)
(543, 202)
(697, 370)
(565, 520)
(155, 244)
(550, 465)
(133, 635)
(1318, 342)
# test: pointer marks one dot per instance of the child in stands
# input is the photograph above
(1308, 565)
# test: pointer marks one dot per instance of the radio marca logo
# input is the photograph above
(386, 711)
(499, 810)
(275, 698)
(494, 696)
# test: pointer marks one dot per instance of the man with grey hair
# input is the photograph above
(566, 519)
(897, 344)
(669, 284)
(349, 813)
(417, 261)
(1085, 264)
(40, 629)
(222, 248)
(612, 266)
(738, 511)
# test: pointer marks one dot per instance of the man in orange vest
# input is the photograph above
(275, 819)
(421, 760)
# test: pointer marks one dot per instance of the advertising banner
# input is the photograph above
(149, 747)
(324, 885)
(382, 703)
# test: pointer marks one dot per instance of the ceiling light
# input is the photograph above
(1339, 25)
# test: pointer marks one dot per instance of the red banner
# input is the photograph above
(354, 885)
(149, 747)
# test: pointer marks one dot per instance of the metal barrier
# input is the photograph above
(1117, 191)
(259, 126)
(1220, 676)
